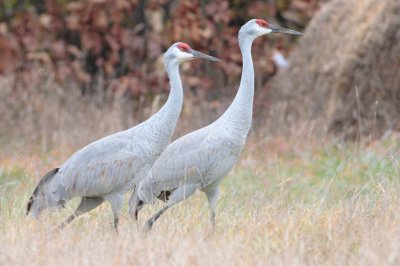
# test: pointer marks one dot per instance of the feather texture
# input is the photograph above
(199, 160)
(111, 166)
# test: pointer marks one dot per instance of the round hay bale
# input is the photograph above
(344, 76)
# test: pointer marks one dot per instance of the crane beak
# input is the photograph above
(278, 29)
(197, 54)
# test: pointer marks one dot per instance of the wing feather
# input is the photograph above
(189, 159)
(101, 167)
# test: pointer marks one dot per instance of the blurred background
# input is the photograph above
(317, 181)
(74, 71)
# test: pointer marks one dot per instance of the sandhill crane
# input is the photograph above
(199, 160)
(106, 169)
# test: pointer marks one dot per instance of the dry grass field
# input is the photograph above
(288, 202)
(72, 72)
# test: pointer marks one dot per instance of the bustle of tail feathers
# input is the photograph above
(145, 193)
(46, 178)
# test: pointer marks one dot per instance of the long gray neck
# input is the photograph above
(239, 113)
(172, 108)
(160, 127)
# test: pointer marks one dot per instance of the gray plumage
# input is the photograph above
(106, 169)
(201, 159)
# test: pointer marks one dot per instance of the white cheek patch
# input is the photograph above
(184, 57)
(268, 31)
(252, 31)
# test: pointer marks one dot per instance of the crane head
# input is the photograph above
(258, 27)
(180, 52)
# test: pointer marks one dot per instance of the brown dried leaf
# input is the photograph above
(100, 19)
(73, 50)
(73, 22)
(45, 20)
(75, 6)
(79, 73)
(58, 49)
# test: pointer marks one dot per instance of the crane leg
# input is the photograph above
(139, 206)
(135, 205)
(86, 204)
(177, 196)
(212, 192)
(116, 201)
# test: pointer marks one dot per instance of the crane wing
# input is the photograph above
(190, 160)
(101, 167)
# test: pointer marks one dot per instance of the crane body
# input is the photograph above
(200, 160)
(108, 168)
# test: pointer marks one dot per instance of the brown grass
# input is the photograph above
(296, 201)
(325, 205)
(47, 117)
